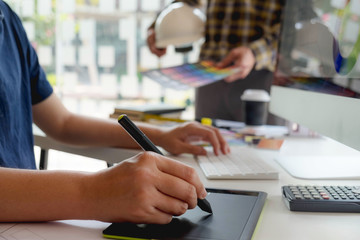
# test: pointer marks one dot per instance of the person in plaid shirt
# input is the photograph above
(243, 33)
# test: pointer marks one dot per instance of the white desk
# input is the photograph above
(110, 155)
(276, 222)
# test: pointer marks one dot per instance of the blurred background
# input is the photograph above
(92, 52)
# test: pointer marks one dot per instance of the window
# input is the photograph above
(93, 50)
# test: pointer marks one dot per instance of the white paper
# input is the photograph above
(45, 55)
(44, 7)
(27, 8)
(106, 56)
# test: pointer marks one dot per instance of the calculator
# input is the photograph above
(322, 198)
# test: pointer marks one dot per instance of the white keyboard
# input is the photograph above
(242, 163)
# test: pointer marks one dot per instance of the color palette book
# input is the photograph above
(189, 75)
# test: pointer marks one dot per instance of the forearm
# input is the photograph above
(31, 195)
(86, 131)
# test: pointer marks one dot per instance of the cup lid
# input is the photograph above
(257, 95)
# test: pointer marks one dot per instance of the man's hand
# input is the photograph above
(151, 40)
(176, 140)
(242, 59)
(148, 188)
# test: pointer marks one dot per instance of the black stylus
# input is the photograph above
(147, 145)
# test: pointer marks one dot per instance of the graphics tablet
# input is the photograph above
(235, 215)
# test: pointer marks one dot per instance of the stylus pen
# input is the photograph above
(147, 145)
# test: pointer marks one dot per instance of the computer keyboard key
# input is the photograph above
(208, 167)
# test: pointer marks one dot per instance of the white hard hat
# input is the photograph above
(179, 24)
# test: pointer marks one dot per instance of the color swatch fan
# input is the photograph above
(189, 75)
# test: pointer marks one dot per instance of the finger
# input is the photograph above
(179, 189)
(191, 148)
(205, 133)
(246, 72)
(158, 51)
(183, 172)
(227, 61)
(234, 77)
(213, 136)
(224, 146)
(157, 216)
(241, 74)
(151, 41)
(170, 205)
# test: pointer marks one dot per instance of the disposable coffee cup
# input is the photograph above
(255, 106)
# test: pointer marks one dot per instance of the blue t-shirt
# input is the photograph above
(22, 84)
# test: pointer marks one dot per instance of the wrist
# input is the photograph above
(89, 193)
(156, 135)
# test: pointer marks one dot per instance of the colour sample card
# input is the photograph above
(189, 75)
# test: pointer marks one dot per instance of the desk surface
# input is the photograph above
(276, 221)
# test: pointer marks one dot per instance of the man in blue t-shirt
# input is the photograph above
(147, 188)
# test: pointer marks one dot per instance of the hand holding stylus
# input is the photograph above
(147, 145)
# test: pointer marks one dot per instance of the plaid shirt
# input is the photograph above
(252, 23)
(233, 23)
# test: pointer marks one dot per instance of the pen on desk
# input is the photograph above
(147, 145)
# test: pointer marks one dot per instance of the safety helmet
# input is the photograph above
(179, 24)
